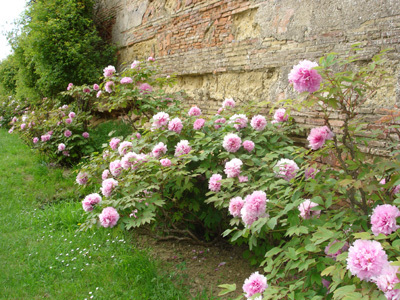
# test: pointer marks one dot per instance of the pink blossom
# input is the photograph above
(12, 129)
(126, 80)
(198, 124)
(340, 251)
(106, 154)
(258, 123)
(160, 120)
(286, 169)
(105, 174)
(280, 115)
(98, 94)
(86, 90)
(304, 77)
(135, 64)
(138, 136)
(23, 125)
(310, 173)
(61, 147)
(35, 140)
(129, 160)
(159, 149)
(383, 219)
(68, 121)
(396, 189)
(71, 115)
(255, 284)
(175, 125)
(318, 136)
(124, 147)
(387, 280)
(194, 111)
(91, 200)
(366, 259)
(240, 121)
(96, 87)
(305, 209)
(108, 186)
(248, 145)
(45, 137)
(65, 153)
(70, 86)
(165, 162)
(243, 178)
(109, 217)
(85, 135)
(219, 121)
(214, 184)
(232, 167)
(228, 102)
(151, 59)
(13, 120)
(220, 110)
(114, 143)
(182, 148)
(232, 142)
(254, 207)
(108, 86)
(82, 178)
(145, 88)
(109, 71)
(67, 133)
(116, 167)
(235, 206)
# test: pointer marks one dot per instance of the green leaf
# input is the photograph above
(328, 270)
(322, 235)
(343, 291)
(227, 288)
(363, 235)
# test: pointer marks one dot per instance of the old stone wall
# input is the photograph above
(245, 48)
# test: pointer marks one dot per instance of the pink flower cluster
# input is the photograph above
(126, 80)
(235, 206)
(232, 142)
(82, 178)
(85, 135)
(124, 147)
(286, 169)
(160, 120)
(318, 136)
(232, 167)
(108, 186)
(129, 160)
(109, 71)
(240, 121)
(61, 147)
(306, 211)
(218, 122)
(194, 111)
(228, 102)
(165, 162)
(248, 146)
(114, 143)
(258, 123)
(116, 167)
(310, 173)
(109, 217)
(105, 174)
(383, 219)
(67, 133)
(387, 280)
(304, 78)
(45, 137)
(280, 115)
(91, 200)
(214, 184)
(198, 124)
(175, 125)
(254, 207)
(135, 64)
(182, 148)
(108, 86)
(159, 150)
(145, 88)
(255, 284)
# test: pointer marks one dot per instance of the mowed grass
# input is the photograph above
(43, 256)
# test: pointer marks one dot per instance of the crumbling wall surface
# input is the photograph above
(245, 48)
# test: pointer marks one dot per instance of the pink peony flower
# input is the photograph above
(160, 120)
(98, 94)
(108, 186)
(219, 121)
(108, 86)
(109, 217)
(109, 71)
(254, 207)
(151, 59)
(159, 149)
(165, 162)
(12, 129)
(243, 178)
(116, 167)
(91, 200)
(220, 110)
(194, 111)
(304, 78)
(258, 122)
(86, 90)
(67, 133)
(280, 115)
(135, 64)
(318, 136)
(305, 209)
(85, 135)
(182, 148)
(340, 251)
(255, 284)
(286, 169)
(45, 137)
(82, 178)
(396, 189)
(106, 154)
(23, 125)
(214, 184)
(129, 160)
(248, 145)
(235, 206)
(387, 280)
(138, 136)
(35, 140)
(124, 147)
(232, 142)
(383, 219)
(126, 80)
(240, 121)
(232, 167)
(61, 147)
(198, 124)
(70, 86)
(145, 88)
(65, 153)
(96, 87)
(228, 102)
(114, 143)
(105, 174)
(71, 115)
(310, 173)
(175, 125)
(366, 259)
(68, 121)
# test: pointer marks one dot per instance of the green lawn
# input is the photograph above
(42, 256)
